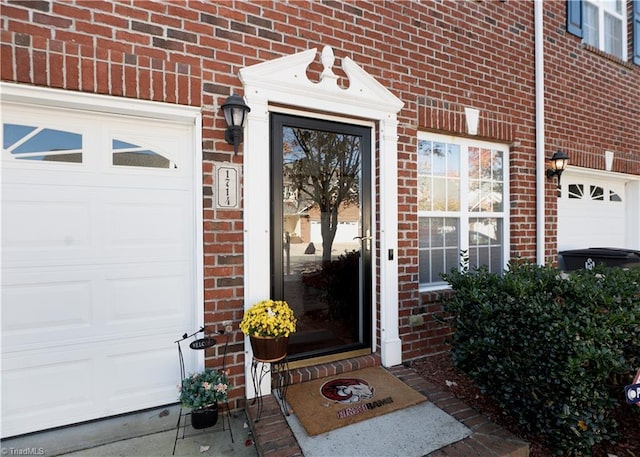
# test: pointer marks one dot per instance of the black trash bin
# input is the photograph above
(591, 257)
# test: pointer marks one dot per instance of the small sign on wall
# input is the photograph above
(227, 185)
(632, 392)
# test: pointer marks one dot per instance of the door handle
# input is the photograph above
(366, 239)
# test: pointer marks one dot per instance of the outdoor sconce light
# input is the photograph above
(235, 112)
(558, 163)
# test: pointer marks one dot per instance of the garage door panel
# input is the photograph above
(142, 372)
(140, 295)
(54, 174)
(46, 386)
(589, 227)
(45, 307)
(152, 373)
(37, 394)
(149, 225)
(594, 236)
(45, 222)
(67, 225)
(66, 306)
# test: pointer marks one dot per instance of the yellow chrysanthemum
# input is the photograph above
(269, 318)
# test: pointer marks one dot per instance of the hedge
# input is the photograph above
(548, 346)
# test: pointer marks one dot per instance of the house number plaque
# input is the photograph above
(227, 187)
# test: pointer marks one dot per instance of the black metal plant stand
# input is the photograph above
(224, 412)
(280, 377)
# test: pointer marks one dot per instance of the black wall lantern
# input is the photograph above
(558, 163)
(235, 112)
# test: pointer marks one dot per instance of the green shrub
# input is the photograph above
(546, 345)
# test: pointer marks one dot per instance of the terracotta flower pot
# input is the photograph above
(268, 349)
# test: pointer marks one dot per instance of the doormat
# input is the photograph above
(329, 403)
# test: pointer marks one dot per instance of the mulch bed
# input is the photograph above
(439, 370)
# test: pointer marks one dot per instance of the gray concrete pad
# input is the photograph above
(209, 442)
(409, 432)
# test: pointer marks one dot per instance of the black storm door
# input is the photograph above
(321, 232)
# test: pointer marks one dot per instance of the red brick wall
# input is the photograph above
(592, 103)
(436, 56)
(478, 54)
(590, 112)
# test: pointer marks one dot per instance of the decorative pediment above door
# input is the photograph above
(363, 93)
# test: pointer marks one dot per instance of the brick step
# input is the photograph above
(325, 370)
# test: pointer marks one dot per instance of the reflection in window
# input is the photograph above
(439, 176)
(24, 142)
(485, 243)
(485, 180)
(131, 155)
(440, 247)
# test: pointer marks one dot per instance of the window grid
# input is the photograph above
(596, 193)
(461, 190)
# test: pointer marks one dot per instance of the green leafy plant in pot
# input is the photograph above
(201, 392)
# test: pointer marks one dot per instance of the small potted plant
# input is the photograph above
(268, 325)
(201, 392)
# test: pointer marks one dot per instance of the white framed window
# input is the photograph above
(605, 26)
(462, 205)
(39, 143)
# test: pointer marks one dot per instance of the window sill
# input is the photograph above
(435, 288)
(607, 56)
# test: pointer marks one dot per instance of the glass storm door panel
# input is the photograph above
(321, 232)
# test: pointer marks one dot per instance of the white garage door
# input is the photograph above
(592, 212)
(345, 233)
(98, 263)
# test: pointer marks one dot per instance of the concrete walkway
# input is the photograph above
(409, 432)
(210, 442)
